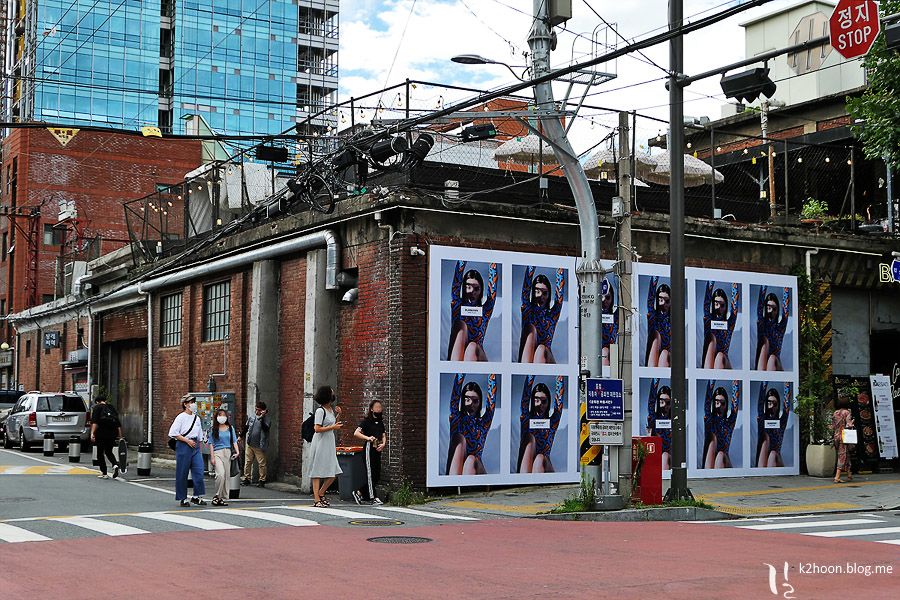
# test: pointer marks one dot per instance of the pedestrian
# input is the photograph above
(105, 429)
(188, 433)
(840, 420)
(224, 446)
(371, 430)
(323, 449)
(256, 430)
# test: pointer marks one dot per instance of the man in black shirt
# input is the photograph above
(105, 428)
(371, 430)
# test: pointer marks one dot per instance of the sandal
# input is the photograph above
(325, 501)
(837, 481)
(320, 504)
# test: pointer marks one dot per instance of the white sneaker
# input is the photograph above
(377, 501)
(102, 476)
(115, 472)
(357, 497)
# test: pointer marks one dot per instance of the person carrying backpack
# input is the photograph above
(105, 428)
(256, 430)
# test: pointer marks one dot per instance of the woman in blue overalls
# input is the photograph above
(188, 433)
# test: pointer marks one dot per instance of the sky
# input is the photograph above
(384, 42)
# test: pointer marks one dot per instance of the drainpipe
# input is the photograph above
(808, 263)
(149, 361)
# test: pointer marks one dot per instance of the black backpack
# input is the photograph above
(107, 417)
(309, 427)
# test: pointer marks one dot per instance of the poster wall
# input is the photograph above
(741, 369)
(502, 368)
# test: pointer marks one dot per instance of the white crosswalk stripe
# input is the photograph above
(188, 521)
(423, 513)
(100, 526)
(39, 529)
(801, 525)
(860, 526)
(264, 516)
(11, 533)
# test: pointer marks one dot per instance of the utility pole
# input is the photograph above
(624, 256)
(588, 267)
(770, 158)
(678, 488)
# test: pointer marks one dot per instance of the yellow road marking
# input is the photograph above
(809, 488)
(530, 509)
(758, 510)
(36, 470)
(45, 470)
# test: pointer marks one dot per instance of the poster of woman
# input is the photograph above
(719, 326)
(540, 326)
(609, 322)
(656, 414)
(470, 435)
(655, 321)
(471, 313)
(772, 333)
(772, 442)
(538, 432)
(719, 425)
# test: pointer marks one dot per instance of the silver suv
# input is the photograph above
(36, 413)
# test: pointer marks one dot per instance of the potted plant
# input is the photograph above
(813, 211)
(815, 388)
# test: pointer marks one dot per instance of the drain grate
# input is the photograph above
(400, 539)
(375, 522)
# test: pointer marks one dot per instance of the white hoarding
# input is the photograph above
(741, 368)
(502, 368)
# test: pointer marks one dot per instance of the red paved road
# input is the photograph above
(491, 559)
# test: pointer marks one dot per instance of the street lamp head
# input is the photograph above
(472, 59)
(4, 346)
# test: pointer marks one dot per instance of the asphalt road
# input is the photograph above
(75, 536)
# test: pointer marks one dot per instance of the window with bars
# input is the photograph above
(216, 311)
(170, 320)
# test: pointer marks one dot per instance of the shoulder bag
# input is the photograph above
(173, 443)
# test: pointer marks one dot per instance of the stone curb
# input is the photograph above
(673, 513)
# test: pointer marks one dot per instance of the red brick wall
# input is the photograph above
(187, 367)
(100, 171)
(291, 330)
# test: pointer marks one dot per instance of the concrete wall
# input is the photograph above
(850, 326)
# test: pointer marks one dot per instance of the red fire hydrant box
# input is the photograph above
(647, 469)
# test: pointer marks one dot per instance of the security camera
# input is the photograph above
(416, 251)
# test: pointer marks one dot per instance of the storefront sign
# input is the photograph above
(884, 416)
(889, 272)
(51, 339)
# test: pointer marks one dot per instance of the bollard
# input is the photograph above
(145, 453)
(49, 444)
(74, 449)
(234, 485)
(94, 460)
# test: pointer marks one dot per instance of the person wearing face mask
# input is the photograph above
(188, 433)
(256, 430)
(371, 430)
(224, 449)
(540, 315)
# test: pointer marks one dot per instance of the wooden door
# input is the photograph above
(132, 392)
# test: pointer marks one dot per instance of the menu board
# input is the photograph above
(884, 416)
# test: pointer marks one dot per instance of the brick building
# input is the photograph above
(62, 204)
(280, 308)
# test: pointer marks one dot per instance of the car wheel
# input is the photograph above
(24, 446)
(7, 443)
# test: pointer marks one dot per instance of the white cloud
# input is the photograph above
(372, 32)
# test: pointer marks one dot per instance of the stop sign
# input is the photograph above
(854, 26)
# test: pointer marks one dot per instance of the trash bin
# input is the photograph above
(145, 456)
(352, 460)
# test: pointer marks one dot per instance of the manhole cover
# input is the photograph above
(863, 496)
(400, 539)
(375, 522)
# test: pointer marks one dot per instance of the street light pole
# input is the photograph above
(588, 267)
(678, 488)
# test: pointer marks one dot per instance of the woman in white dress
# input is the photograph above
(323, 458)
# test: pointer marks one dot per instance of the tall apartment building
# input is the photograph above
(246, 66)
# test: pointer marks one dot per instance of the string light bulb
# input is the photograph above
(828, 159)
(690, 145)
(799, 159)
(718, 148)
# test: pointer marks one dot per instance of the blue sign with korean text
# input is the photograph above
(605, 400)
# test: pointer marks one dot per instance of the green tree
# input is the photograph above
(879, 105)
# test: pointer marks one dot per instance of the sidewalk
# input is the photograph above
(745, 496)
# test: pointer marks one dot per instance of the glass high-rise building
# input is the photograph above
(246, 66)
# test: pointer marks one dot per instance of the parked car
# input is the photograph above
(8, 399)
(62, 413)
